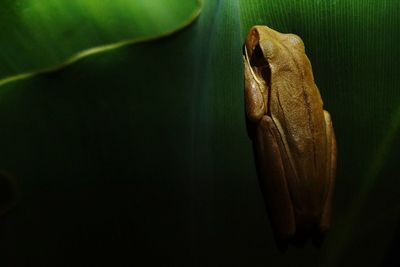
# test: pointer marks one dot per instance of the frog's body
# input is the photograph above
(294, 139)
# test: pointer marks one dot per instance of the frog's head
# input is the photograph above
(266, 48)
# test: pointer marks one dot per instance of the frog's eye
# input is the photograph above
(259, 64)
(257, 57)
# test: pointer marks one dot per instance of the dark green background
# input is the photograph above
(140, 155)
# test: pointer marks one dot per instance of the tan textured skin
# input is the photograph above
(294, 141)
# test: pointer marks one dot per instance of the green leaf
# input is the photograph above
(39, 36)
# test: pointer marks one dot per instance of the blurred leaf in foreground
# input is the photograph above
(44, 35)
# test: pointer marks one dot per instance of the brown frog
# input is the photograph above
(293, 137)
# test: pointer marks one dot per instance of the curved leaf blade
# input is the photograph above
(39, 36)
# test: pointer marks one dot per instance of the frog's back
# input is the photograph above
(296, 108)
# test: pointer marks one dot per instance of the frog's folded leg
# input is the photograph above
(325, 221)
(273, 177)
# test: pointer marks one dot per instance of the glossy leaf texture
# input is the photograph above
(140, 154)
(48, 34)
